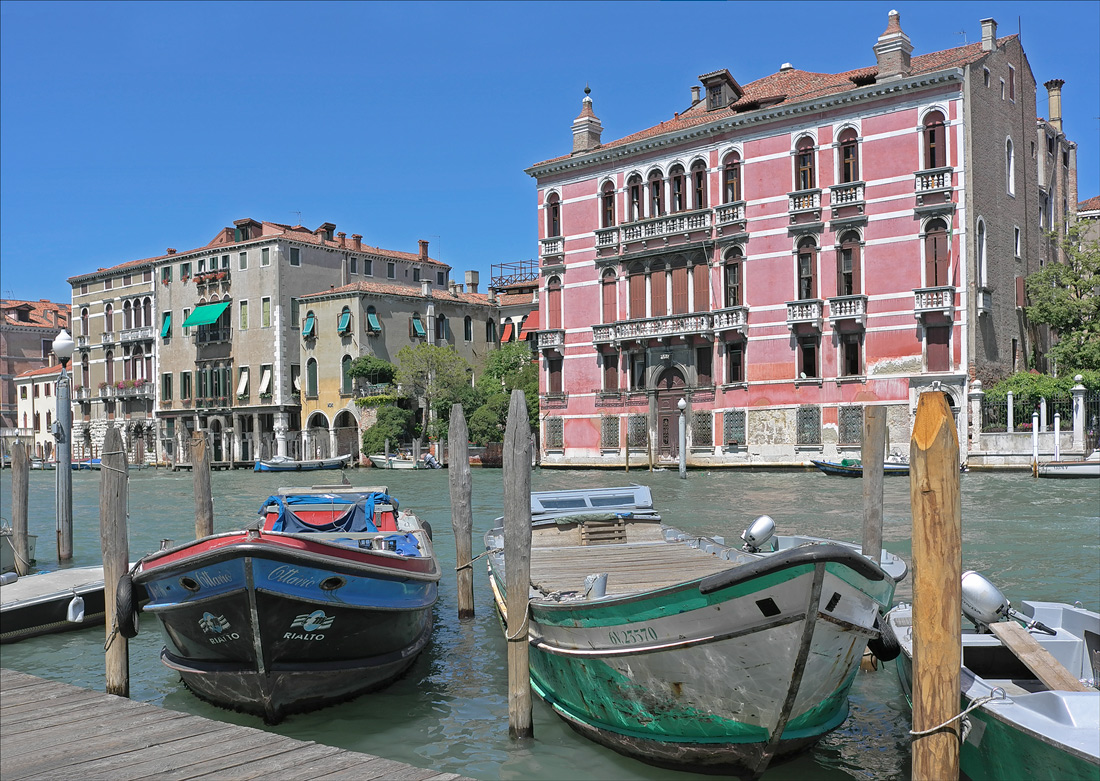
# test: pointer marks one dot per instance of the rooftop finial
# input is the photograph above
(587, 89)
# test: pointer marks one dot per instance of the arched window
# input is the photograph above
(847, 265)
(656, 187)
(636, 290)
(849, 156)
(553, 215)
(608, 297)
(678, 189)
(634, 198)
(679, 274)
(491, 331)
(699, 184)
(309, 327)
(109, 361)
(804, 174)
(343, 325)
(109, 318)
(983, 278)
(127, 316)
(807, 269)
(731, 179)
(345, 375)
(935, 144)
(935, 254)
(468, 328)
(442, 329)
(734, 271)
(700, 281)
(147, 311)
(311, 378)
(84, 324)
(374, 325)
(658, 291)
(1010, 168)
(607, 205)
(85, 372)
(137, 364)
(553, 303)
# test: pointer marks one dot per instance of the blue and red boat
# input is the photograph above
(327, 596)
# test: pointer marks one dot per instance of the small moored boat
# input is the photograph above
(1024, 726)
(328, 596)
(395, 461)
(7, 549)
(853, 467)
(287, 464)
(681, 650)
(1087, 467)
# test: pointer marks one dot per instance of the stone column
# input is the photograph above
(1078, 392)
(1042, 414)
(1011, 415)
(256, 436)
(236, 436)
(974, 441)
(281, 426)
(332, 442)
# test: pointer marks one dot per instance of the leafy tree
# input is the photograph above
(489, 420)
(374, 370)
(1028, 387)
(435, 375)
(394, 424)
(1066, 296)
(506, 368)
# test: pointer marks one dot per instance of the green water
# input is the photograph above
(1037, 539)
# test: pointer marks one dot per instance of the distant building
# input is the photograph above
(514, 288)
(27, 331)
(1088, 213)
(781, 254)
(36, 410)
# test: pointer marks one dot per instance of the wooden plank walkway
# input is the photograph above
(51, 730)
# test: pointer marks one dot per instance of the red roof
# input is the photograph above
(41, 371)
(1090, 205)
(401, 291)
(40, 313)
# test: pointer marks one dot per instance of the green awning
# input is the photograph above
(206, 314)
(418, 327)
(345, 320)
(307, 329)
(372, 320)
(167, 327)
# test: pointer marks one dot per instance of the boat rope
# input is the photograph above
(470, 563)
(524, 627)
(112, 468)
(979, 702)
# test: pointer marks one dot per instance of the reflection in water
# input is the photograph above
(450, 710)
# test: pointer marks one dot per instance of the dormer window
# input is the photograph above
(715, 97)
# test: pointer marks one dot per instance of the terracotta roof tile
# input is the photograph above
(1090, 205)
(42, 371)
(39, 313)
(399, 291)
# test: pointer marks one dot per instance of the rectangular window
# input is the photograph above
(610, 371)
(391, 271)
(637, 371)
(225, 262)
(242, 261)
(851, 355)
(553, 369)
(353, 266)
(108, 283)
(185, 272)
(850, 425)
(806, 286)
(166, 325)
(166, 386)
(703, 364)
(126, 280)
(166, 274)
(1021, 295)
(735, 352)
(265, 381)
(609, 432)
(416, 275)
(368, 267)
(185, 329)
(265, 256)
(1011, 83)
(1015, 356)
(185, 386)
(243, 319)
(733, 427)
(295, 256)
(808, 425)
(938, 347)
(1016, 240)
(242, 383)
(265, 312)
(83, 288)
(202, 265)
(294, 316)
(807, 357)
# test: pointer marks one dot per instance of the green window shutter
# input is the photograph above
(166, 329)
(372, 320)
(345, 321)
(418, 327)
(307, 329)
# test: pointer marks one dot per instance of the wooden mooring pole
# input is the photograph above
(204, 499)
(20, 497)
(517, 562)
(462, 514)
(113, 498)
(872, 457)
(937, 588)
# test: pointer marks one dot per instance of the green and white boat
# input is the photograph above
(681, 650)
(1023, 728)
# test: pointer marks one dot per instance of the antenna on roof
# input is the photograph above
(299, 217)
(963, 34)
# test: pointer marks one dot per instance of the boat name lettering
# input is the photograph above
(217, 579)
(291, 576)
(224, 638)
(630, 636)
(298, 636)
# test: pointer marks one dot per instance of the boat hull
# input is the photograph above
(1070, 469)
(302, 466)
(849, 470)
(381, 462)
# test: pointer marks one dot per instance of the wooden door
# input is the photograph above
(670, 389)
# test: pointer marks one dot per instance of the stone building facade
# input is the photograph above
(27, 331)
(36, 410)
(779, 255)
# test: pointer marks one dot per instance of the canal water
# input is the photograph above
(1036, 539)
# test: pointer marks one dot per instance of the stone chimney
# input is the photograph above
(695, 94)
(472, 280)
(423, 249)
(341, 239)
(426, 288)
(586, 127)
(1054, 99)
(171, 251)
(989, 34)
(893, 49)
(356, 241)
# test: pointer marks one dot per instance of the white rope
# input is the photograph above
(470, 563)
(522, 631)
(973, 706)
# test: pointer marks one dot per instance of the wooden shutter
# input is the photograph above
(608, 292)
(637, 295)
(658, 293)
(701, 283)
(938, 341)
(679, 290)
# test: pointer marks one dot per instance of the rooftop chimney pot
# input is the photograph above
(356, 241)
(1054, 98)
(472, 280)
(893, 49)
(989, 34)
(423, 249)
(695, 94)
(341, 239)
(171, 250)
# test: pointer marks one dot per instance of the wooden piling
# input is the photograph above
(113, 498)
(20, 497)
(872, 457)
(204, 499)
(462, 516)
(517, 562)
(937, 587)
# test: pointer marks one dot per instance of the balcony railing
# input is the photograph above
(82, 340)
(213, 335)
(804, 200)
(850, 194)
(729, 212)
(682, 222)
(985, 300)
(83, 393)
(136, 334)
(933, 179)
(107, 337)
(551, 338)
(555, 245)
(931, 300)
(603, 334)
(659, 327)
(138, 391)
(848, 308)
(607, 237)
(732, 318)
(805, 312)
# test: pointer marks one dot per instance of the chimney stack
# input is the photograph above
(892, 50)
(341, 239)
(423, 249)
(472, 280)
(426, 288)
(695, 94)
(171, 250)
(586, 127)
(1054, 99)
(356, 241)
(989, 34)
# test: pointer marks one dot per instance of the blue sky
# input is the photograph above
(126, 128)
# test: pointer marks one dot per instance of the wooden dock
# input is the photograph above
(51, 730)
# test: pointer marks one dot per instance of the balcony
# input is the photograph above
(848, 308)
(698, 323)
(82, 393)
(607, 238)
(603, 334)
(82, 341)
(681, 223)
(107, 337)
(551, 338)
(551, 247)
(145, 333)
(985, 300)
(850, 194)
(934, 300)
(933, 188)
(729, 213)
(212, 280)
(212, 335)
(732, 318)
(144, 391)
(803, 202)
(805, 312)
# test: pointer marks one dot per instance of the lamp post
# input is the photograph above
(63, 347)
(682, 405)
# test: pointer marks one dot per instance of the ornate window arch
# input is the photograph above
(733, 269)
(805, 168)
(848, 262)
(731, 177)
(806, 268)
(934, 140)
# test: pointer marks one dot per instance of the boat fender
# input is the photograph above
(75, 612)
(885, 646)
(125, 615)
(427, 529)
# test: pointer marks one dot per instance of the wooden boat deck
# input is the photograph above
(52, 730)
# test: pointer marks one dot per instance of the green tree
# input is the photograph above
(394, 424)
(374, 370)
(488, 421)
(435, 376)
(1066, 296)
(506, 368)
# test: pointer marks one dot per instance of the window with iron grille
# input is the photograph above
(609, 431)
(702, 430)
(733, 427)
(636, 427)
(850, 425)
(808, 425)
(555, 433)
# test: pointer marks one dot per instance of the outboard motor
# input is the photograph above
(430, 460)
(758, 533)
(982, 602)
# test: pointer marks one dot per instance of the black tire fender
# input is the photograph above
(885, 646)
(126, 616)
(427, 529)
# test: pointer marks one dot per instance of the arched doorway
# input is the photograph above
(670, 389)
(215, 429)
(347, 435)
(316, 437)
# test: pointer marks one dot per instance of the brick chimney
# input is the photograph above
(356, 241)
(472, 279)
(1054, 99)
(423, 249)
(586, 127)
(989, 34)
(171, 251)
(893, 49)
(341, 239)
